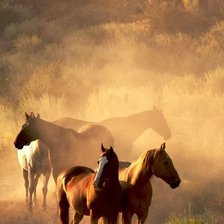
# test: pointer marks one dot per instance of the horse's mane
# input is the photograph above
(147, 158)
(140, 167)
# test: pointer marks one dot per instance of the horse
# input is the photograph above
(97, 194)
(136, 186)
(126, 130)
(34, 161)
(65, 146)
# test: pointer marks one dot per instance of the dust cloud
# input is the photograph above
(94, 60)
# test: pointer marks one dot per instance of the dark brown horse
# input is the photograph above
(126, 130)
(97, 194)
(66, 147)
(136, 186)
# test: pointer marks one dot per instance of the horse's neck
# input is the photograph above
(113, 183)
(141, 122)
(114, 175)
(50, 134)
(140, 171)
(114, 180)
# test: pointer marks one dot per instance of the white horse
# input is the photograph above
(34, 161)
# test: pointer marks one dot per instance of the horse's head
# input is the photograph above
(107, 168)
(163, 167)
(28, 132)
(160, 124)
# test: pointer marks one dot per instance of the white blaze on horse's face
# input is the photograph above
(102, 162)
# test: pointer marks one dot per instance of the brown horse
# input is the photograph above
(126, 130)
(66, 147)
(34, 161)
(136, 186)
(97, 194)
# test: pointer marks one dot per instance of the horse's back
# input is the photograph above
(97, 133)
(75, 171)
(69, 122)
(124, 164)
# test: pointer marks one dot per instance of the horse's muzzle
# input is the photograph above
(18, 146)
(175, 183)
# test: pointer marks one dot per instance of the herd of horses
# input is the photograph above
(114, 186)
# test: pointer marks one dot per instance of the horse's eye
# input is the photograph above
(166, 163)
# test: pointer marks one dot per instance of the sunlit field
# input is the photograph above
(94, 60)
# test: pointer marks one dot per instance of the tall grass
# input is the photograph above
(92, 62)
(49, 107)
(105, 52)
(188, 218)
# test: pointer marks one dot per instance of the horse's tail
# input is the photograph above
(62, 201)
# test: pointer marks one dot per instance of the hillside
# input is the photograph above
(95, 59)
(57, 37)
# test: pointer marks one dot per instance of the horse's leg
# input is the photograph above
(44, 188)
(93, 217)
(35, 181)
(126, 217)
(110, 220)
(26, 183)
(104, 220)
(143, 217)
(31, 187)
(55, 174)
(113, 220)
(35, 196)
(77, 218)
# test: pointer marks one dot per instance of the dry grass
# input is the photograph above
(119, 58)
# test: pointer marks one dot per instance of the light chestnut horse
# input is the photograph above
(136, 186)
(127, 129)
(34, 161)
(66, 147)
(97, 194)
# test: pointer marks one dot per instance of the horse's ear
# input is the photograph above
(162, 147)
(32, 115)
(27, 116)
(38, 116)
(111, 149)
(102, 148)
